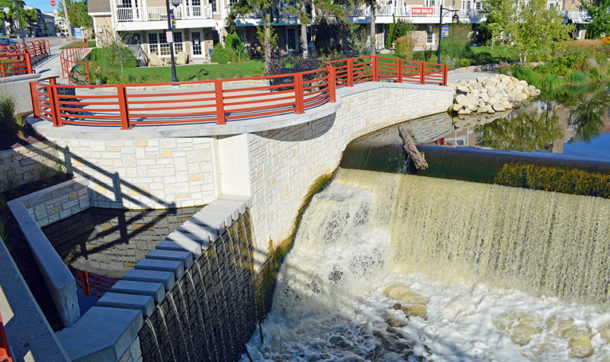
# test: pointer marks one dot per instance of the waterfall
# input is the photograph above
(392, 267)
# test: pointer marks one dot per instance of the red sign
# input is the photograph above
(53, 3)
(422, 11)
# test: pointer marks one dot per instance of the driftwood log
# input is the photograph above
(418, 158)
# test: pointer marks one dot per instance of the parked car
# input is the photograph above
(6, 44)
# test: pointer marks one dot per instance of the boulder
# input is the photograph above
(411, 303)
(580, 346)
(498, 107)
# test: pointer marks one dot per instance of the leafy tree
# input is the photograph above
(77, 13)
(530, 26)
(599, 12)
(28, 16)
(500, 14)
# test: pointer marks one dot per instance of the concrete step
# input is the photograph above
(144, 303)
(140, 275)
(174, 266)
(184, 256)
(154, 289)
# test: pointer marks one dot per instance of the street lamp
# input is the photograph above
(171, 43)
(455, 19)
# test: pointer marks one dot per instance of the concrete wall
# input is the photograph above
(18, 87)
(22, 165)
(285, 163)
(61, 200)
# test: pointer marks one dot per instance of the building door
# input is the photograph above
(194, 9)
(291, 39)
(196, 43)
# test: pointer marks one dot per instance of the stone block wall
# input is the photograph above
(210, 314)
(145, 174)
(57, 202)
(285, 163)
(25, 164)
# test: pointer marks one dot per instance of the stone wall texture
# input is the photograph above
(285, 163)
(29, 163)
(145, 174)
(57, 202)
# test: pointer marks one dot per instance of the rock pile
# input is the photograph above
(490, 95)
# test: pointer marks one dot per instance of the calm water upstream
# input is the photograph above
(392, 267)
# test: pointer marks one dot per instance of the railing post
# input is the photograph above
(34, 96)
(332, 88)
(422, 73)
(445, 74)
(350, 72)
(2, 66)
(28, 63)
(299, 104)
(123, 108)
(220, 106)
(399, 67)
(54, 103)
(375, 68)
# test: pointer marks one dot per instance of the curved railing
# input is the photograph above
(218, 101)
(70, 57)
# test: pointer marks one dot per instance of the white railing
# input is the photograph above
(128, 14)
(577, 16)
(159, 13)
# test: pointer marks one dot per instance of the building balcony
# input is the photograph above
(155, 17)
(415, 14)
(577, 17)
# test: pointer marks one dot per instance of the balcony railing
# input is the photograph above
(409, 11)
(577, 16)
(159, 13)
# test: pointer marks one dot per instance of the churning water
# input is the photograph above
(402, 267)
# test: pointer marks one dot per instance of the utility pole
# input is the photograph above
(171, 43)
(67, 20)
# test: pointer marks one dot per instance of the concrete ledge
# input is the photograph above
(144, 303)
(184, 256)
(28, 333)
(102, 334)
(58, 278)
(140, 275)
(156, 290)
(174, 266)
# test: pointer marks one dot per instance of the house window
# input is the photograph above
(429, 36)
(178, 44)
(157, 43)
(214, 7)
(430, 3)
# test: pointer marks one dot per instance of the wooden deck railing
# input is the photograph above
(70, 57)
(219, 101)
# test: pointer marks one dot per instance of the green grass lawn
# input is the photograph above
(249, 68)
(485, 54)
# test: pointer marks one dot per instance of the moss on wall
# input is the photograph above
(565, 180)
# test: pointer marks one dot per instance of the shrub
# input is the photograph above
(577, 77)
(221, 55)
(404, 45)
(570, 181)
(113, 55)
(7, 113)
(457, 44)
(397, 29)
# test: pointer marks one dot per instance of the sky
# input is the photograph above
(43, 5)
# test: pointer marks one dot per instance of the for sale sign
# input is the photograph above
(422, 11)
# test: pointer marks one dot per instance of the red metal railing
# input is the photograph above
(92, 285)
(15, 64)
(5, 353)
(70, 57)
(218, 101)
(37, 49)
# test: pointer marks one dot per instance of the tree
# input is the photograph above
(529, 26)
(77, 13)
(28, 16)
(599, 13)
(500, 14)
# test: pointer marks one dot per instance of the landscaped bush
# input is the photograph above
(404, 45)
(569, 181)
(233, 51)
(457, 44)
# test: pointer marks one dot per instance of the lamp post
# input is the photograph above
(171, 43)
(455, 19)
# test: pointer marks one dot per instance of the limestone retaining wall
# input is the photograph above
(25, 164)
(285, 163)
